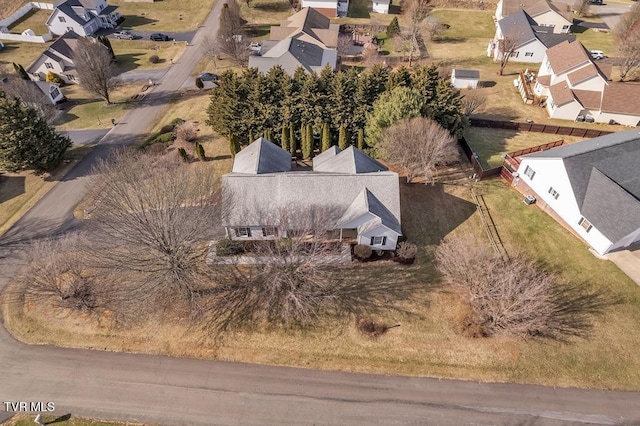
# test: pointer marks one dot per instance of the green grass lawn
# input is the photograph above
(88, 112)
(166, 15)
(489, 144)
(134, 54)
(34, 20)
(21, 53)
(65, 420)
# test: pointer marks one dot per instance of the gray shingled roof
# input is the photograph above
(367, 206)
(551, 39)
(67, 9)
(324, 156)
(260, 157)
(65, 44)
(604, 173)
(518, 25)
(351, 160)
(458, 73)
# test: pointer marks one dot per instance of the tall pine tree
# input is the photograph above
(293, 145)
(284, 138)
(26, 140)
(251, 137)
(343, 137)
(326, 138)
(360, 139)
(234, 145)
(307, 142)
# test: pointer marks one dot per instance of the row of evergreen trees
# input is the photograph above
(266, 104)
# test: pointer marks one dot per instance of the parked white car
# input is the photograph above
(597, 54)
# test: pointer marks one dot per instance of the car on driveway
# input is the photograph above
(208, 76)
(597, 54)
(125, 34)
(159, 37)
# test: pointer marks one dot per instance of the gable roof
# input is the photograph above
(66, 44)
(523, 28)
(621, 98)
(550, 39)
(260, 157)
(536, 7)
(566, 56)
(366, 203)
(582, 74)
(561, 93)
(605, 179)
(350, 160)
(471, 74)
(325, 155)
(590, 99)
(68, 8)
(311, 23)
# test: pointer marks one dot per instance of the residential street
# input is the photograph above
(164, 390)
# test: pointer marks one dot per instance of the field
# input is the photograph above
(34, 20)
(166, 15)
(7, 7)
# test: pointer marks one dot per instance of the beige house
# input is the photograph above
(58, 58)
(554, 15)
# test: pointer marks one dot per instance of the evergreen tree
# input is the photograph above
(200, 151)
(446, 108)
(343, 137)
(326, 138)
(105, 41)
(26, 140)
(284, 140)
(360, 139)
(234, 145)
(307, 142)
(400, 77)
(343, 99)
(371, 84)
(228, 108)
(267, 135)
(182, 153)
(292, 140)
(251, 137)
(394, 28)
(20, 71)
(398, 104)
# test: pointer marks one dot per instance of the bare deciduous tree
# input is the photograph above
(434, 30)
(472, 101)
(581, 7)
(507, 47)
(232, 39)
(150, 222)
(627, 36)
(31, 96)
(516, 296)
(345, 42)
(415, 12)
(418, 145)
(186, 132)
(96, 68)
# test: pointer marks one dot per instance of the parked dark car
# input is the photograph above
(159, 37)
(208, 76)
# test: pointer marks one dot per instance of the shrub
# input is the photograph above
(154, 59)
(228, 247)
(156, 148)
(183, 154)
(199, 83)
(362, 251)
(407, 252)
(176, 121)
(371, 328)
(200, 152)
(186, 132)
(52, 77)
(167, 128)
(468, 323)
(164, 138)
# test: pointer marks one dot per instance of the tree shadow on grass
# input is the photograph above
(127, 61)
(272, 6)
(60, 419)
(11, 187)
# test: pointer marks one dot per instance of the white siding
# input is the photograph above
(320, 4)
(567, 111)
(626, 119)
(59, 28)
(381, 231)
(381, 6)
(550, 173)
(595, 84)
(554, 19)
(464, 83)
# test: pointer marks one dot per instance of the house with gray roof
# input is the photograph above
(593, 187)
(556, 16)
(57, 58)
(531, 40)
(361, 196)
(84, 17)
(306, 39)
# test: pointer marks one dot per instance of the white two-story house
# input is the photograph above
(84, 17)
(58, 59)
(556, 16)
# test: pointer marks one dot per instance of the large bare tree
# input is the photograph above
(507, 47)
(415, 12)
(627, 36)
(472, 100)
(418, 145)
(581, 7)
(232, 38)
(30, 95)
(515, 296)
(151, 219)
(96, 68)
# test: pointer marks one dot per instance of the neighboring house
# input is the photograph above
(84, 17)
(554, 15)
(381, 6)
(329, 8)
(531, 40)
(306, 39)
(577, 88)
(50, 92)
(362, 195)
(58, 58)
(465, 79)
(592, 186)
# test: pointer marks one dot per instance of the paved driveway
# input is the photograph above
(610, 12)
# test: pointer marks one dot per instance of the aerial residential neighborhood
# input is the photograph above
(319, 212)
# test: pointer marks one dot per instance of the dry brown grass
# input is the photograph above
(7, 7)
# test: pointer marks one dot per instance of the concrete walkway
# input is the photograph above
(628, 261)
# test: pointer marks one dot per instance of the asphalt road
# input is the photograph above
(167, 390)
(610, 12)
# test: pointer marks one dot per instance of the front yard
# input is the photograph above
(166, 15)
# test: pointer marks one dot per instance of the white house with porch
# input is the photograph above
(84, 17)
(592, 186)
(362, 195)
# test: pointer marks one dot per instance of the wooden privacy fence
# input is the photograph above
(479, 171)
(538, 128)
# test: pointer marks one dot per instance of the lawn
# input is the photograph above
(266, 11)
(8, 7)
(21, 52)
(20, 191)
(489, 144)
(166, 15)
(596, 40)
(132, 54)
(34, 20)
(85, 111)
(426, 343)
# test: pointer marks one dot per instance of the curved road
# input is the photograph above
(167, 390)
